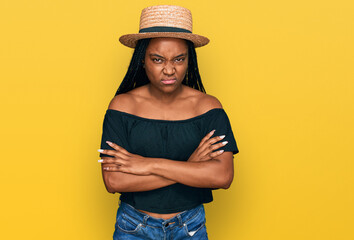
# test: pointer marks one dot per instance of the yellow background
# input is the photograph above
(283, 71)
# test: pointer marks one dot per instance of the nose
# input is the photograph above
(169, 68)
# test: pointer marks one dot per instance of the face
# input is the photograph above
(166, 63)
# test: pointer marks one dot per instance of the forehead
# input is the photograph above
(167, 46)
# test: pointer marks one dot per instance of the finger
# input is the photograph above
(116, 168)
(211, 155)
(218, 145)
(112, 160)
(111, 168)
(215, 139)
(211, 141)
(206, 137)
(216, 153)
(213, 147)
(117, 147)
(113, 153)
(107, 152)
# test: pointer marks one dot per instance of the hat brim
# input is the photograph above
(130, 40)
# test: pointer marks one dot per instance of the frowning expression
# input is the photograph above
(166, 62)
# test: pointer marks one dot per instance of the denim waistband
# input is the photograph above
(146, 219)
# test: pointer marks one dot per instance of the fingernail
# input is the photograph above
(109, 142)
(225, 142)
(100, 150)
(222, 136)
(221, 151)
(101, 160)
(212, 132)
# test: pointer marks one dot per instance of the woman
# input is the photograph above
(161, 143)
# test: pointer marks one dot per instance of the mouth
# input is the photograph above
(169, 81)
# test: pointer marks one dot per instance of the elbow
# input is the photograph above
(225, 181)
(115, 184)
(109, 186)
(110, 190)
(110, 183)
(112, 186)
(226, 185)
(113, 181)
(225, 175)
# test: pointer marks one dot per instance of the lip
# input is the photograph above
(169, 81)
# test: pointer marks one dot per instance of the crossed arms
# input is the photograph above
(127, 172)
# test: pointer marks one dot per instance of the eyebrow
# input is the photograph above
(156, 55)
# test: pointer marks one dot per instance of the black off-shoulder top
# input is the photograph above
(171, 139)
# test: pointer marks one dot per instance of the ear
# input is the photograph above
(143, 63)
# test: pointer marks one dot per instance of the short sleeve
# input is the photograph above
(113, 130)
(221, 123)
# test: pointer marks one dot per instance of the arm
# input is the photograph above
(127, 182)
(214, 173)
(127, 172)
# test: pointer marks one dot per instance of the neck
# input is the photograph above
(164, 97)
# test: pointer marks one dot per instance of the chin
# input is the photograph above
(168, 89)
(171, 87)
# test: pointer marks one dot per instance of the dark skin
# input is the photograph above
(166, 58)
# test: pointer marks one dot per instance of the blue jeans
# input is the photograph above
(133, 224)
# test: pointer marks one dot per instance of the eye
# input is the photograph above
(179, 59)
(157, 60)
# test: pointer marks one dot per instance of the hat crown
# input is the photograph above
(166, 16)
(164, 21)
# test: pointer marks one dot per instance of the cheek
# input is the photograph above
(182, 69)
(152, 72)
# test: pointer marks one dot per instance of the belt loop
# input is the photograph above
(145, 219)
(179, 219)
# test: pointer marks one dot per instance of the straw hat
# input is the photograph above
(164, 21)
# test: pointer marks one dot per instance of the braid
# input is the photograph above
(193, 77)
(135, 76)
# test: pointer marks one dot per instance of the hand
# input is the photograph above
(205, 148)
(125, 161)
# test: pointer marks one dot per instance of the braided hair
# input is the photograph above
(136, 75)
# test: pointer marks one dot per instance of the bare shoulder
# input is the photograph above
(126, 102)
(202, 101)
(122, 102)
(208, 102)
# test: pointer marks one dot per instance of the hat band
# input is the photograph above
(163, 29)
